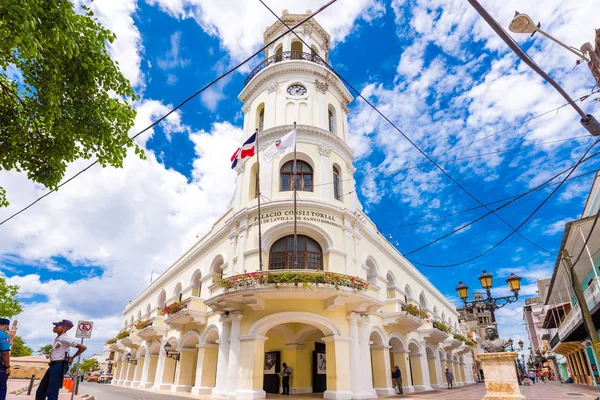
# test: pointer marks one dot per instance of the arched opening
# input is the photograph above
(391, 286)
(314, 51)
(197, 283)
(217, 267)
(416, 368)
(254, 189)
(431, 365)
(443, 317)
(141, 359)
(371, 272)
(408, 296)
(337, 188)
(399, 357)
(185, 375)
(331, 118)
(450, 364)
(423, 302)
(170, 367)
(130, 368)
(208, 350)
(309, 253)
(296, 50)
(177, 292)
(380, 363)
(278, 53)
(131, 320)
(435, 311)
(304, 176)
(260, 116)
(153, 351)
(139, 315)
(162, 299)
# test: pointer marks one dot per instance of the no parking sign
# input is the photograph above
(84, 329)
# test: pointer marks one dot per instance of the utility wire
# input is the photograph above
(581, 160)
(330, 2)
(404, 135)
(428, 221)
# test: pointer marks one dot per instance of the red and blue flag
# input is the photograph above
(248, 149)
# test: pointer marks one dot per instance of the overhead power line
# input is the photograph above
(152, 125)
(579, 162)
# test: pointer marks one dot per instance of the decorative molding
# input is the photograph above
(325, 149)
(246, 108)
(240, 167)
(272, 86)
(308, 30)
(351, 169)
(321, 86)
(345, 108)
(291, 20)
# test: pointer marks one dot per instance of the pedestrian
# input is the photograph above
(532, 375)
(5, 349)
(449, 378)
(59, 361)
(397, 380)
(285, 378)
(475, 377)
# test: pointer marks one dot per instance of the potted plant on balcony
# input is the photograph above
(441, 326)
(460, 337)
(171, 309)
(304, 279)
(122, 335)
(415, 311)
(143, 324)
(111, 341)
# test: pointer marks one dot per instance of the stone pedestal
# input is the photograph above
(500, 376)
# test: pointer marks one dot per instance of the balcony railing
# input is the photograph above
(285, 56)
(592, 299)
(554, 341)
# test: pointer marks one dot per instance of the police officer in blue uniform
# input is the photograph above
(5, 362)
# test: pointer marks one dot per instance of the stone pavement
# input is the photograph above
(540, 391)
(15, 385)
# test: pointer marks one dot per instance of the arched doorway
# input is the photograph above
(380, 365)
(141, 358)
(418, 367)
(432, 362)
(185, 375)
(399, 357)
(206, 366)
(153, 353)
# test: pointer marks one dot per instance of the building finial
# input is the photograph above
(284, 12)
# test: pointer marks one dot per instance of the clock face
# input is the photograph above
(296, 90)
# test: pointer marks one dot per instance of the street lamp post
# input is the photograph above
(510, 344)
(522, 23)
(130, 361)
(491, 303)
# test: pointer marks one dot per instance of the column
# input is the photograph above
(579, 364)
(222, 359)
(234, 352)
(459, 377)
(382, 379)
(437, 368)
(585, 367)
(151, 364)
(206, 368)
(365, 360)
(160, 367)
(251, 364)
(145, 369)
(353, 319)
(271, 104)
(116, 372)
(128, 374)
(337, 349)
(137, 374)
(322, 117)
(185, 370)
(424, 367)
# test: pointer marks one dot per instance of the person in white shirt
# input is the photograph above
(59, 361)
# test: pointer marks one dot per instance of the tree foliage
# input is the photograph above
(45, 350)
(19, 348)
(9, 305)
(62, 97)
(88, 365)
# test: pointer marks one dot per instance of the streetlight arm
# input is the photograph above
(495, 302)
(558, 42)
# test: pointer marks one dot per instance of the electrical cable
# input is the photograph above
(428, 221)
(403, 134)
(581, 160)
(330, 2)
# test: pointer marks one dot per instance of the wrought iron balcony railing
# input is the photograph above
(285, 56)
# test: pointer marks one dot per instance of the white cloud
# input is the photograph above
(556, 227)
(172, 59)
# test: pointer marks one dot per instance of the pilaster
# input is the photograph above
(223, 357)
(234, 352)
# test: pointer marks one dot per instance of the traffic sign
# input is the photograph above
(84, 329)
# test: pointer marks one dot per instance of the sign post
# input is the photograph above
(84, 331)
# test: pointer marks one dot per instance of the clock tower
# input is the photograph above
(294, 84)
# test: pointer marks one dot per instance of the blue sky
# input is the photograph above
(433, 68)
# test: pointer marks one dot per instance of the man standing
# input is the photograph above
(397, 379)
(449, 378)
(59, 361)
(532, 375)
(5, 363)
(285, 378)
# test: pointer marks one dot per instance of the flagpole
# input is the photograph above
(260, 260)
(295, 216)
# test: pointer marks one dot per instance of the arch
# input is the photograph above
(304, 176)
(162, 299)
(148, 309)
(142, 351)
(177, 291)
(211, 335)
(442, 355)
(414, 348)
(190, 340)
(253, 186)
(372, 270)
(443, 317)
(332, 119)
(310, 253)
(337, 182)
(279, 52)
(296, 49)
(397, 342)
(435, 311)
(390, 285)
(154, 348)
(217, 265)
(262, 326)
(423, 301)
(408, 295)
(304, 333)
(125, 323)
(260, 117)
(299, 156)
(196, 283)
(315, 232)
(377, 336)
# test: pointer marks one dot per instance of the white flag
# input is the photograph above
(283, 145)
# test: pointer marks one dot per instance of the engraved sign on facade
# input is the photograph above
(317, 217)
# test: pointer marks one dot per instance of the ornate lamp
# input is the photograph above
(486, 280)
(129, 360)
(463, 291)
(174, 356)
(514, 283)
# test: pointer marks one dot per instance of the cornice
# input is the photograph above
(294, 66)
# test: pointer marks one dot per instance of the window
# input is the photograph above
(304, 176)
(261, 120)
(296, 50)
(330, 119)
(310, 255)
(336, 184)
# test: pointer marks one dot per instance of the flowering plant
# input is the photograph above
(295, 278)
(460, 337)
(111, 341)
(416, 311)
(470, 343)
(171, 309)
(441, 326)
(122, 335)
(143, 324)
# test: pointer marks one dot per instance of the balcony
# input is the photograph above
(194, 312)
(554, 341)
(131, 341)
(431, 334)
(285, 56)
(452, 344)
(156, 329)
(256, 288)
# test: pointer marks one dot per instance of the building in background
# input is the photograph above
(340, 315)
(562, 316)
(25, 367)
(475, 318)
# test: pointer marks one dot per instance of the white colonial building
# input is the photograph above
(349, 309)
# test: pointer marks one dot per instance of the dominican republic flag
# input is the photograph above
(247, 150)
